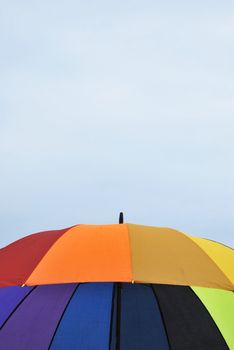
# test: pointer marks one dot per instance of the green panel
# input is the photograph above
(220, 304)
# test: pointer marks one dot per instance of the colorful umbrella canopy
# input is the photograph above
(116, 287)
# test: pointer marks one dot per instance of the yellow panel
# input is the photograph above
(223, 256)
(162, 255)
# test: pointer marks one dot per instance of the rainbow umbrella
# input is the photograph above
(116, 287)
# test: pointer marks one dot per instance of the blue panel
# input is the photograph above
(141, 324)
(86, 322)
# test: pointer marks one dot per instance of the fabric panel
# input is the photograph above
(86, 321)
(220, 304)
(18, 260)
(188, 324)
(10, 297)
(34, 322)
(167, 256)
(87, 253)
(141, 323)
(222, 255)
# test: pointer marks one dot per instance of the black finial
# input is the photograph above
(121, 218)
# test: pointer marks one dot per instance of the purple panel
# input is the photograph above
(10, 297)
(34, 322)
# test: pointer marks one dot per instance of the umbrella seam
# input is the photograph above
(112, 313)
(118, 315)
(17, 306)
(162, 317)
(130, 253)
(61, 317)
(204, 306)
(25, 283)
(210, 258)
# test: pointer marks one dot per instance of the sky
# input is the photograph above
(109, 106)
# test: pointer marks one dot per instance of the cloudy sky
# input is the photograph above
(117, 105)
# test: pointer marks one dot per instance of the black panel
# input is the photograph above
(188, 323)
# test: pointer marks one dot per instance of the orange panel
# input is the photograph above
(86, 253)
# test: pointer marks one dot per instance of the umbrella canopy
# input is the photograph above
(117, 253)
(116, 287)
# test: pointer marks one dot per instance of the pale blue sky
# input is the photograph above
(117, 105)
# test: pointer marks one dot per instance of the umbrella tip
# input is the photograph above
(121, 218)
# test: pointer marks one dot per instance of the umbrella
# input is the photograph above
(116, 287)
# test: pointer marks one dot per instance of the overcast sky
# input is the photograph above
(117, 105)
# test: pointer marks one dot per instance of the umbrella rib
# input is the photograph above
(112, 314)
(25, 283)
(211, 316)
(211, 259)
(63, 315)
(162, 317)
(118, 316)
(18, 305)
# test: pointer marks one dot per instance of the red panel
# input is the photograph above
(18, 260)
